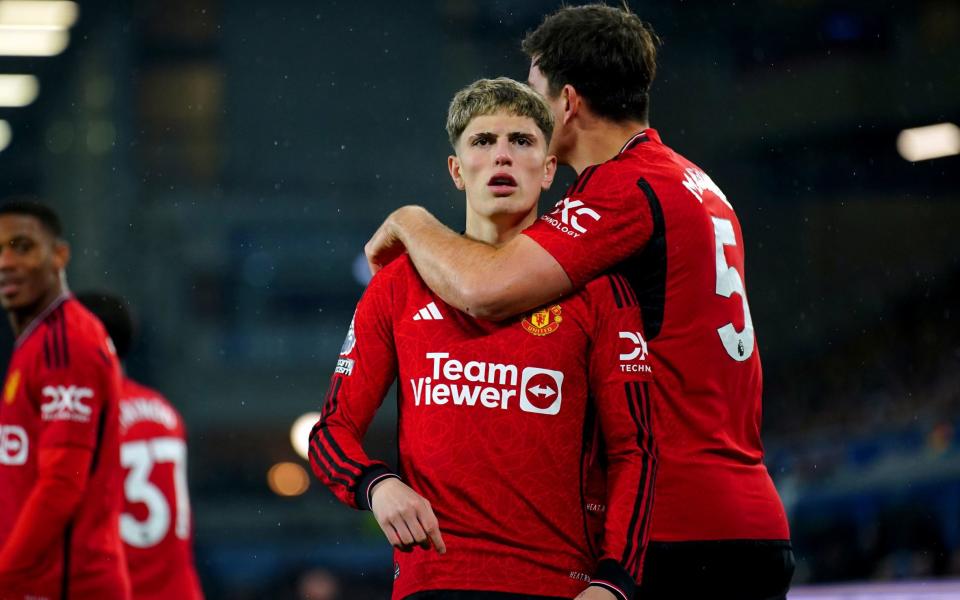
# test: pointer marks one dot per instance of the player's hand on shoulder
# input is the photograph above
(385, 245)
(405, 516)
(594, 592)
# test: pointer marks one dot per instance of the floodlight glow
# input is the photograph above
(18, 90)
(301, 431)
(288, 479)
(5, 134)
(38, 13)
(32, 41)
(932, 141)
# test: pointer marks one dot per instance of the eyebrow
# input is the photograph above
(521, 134)
(513, 135)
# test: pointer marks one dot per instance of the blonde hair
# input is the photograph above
(490, 96)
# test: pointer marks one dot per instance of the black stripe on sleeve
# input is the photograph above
(628, 293)
(333, 403)
(339, 451)
(616, 292)
(328, 466)
(65, 574)
(646, 487)
(637, 531)
(629, 549)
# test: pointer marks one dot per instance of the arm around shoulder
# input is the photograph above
(484, 281)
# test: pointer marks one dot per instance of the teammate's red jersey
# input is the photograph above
(155, 525)
(59, 516)
(664, 224)
(498, 430)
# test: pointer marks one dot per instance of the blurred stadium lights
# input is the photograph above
(288, 479)
(932, 141)
(301, 431)
(5, 134)
(35, 27)
(20, 41)
(49, 14)
(18, 90)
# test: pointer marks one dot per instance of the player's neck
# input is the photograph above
(497, 232)
(21, 318)
(598, 140)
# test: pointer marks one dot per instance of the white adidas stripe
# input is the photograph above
(429, 312)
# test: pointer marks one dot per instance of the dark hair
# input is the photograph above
(31, 208)
(113, 313)
(607, 54)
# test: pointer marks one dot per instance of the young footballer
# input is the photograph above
(503, 427)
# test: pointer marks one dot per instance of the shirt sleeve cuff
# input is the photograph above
(371, 476)
(612, 576)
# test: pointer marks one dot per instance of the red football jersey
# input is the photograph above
(62, 393)
(498, 429)
(664, 224)
(155, 524)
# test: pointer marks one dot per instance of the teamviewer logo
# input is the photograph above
(541, 391)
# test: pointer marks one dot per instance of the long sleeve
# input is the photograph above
(70, 397)
(61, 482)
(619, 377)
(366, 367)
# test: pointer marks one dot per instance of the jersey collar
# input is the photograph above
(647, 135)
(63, 297)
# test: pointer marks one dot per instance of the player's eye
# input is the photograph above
(21, 246)
(482, 140)
(522, 140)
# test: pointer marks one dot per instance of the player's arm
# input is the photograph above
(619, 380)
(67, 448)
(365, 369)
(61, 481)
(479, 279)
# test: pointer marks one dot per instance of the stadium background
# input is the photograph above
(220, 164)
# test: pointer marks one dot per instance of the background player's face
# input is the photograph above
(502, 164)
(31, 260)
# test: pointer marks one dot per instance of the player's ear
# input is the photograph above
(549, 172)
(61, 254)
(572, 102)
(453, 165)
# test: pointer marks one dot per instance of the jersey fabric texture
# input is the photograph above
(58, 513)
(155, 524)
(499, 426)
(661, 221)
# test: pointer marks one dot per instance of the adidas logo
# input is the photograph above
(428, 313)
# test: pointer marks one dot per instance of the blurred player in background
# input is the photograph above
(155, 524)
(498, 422)
(60, 476)
(719, 528)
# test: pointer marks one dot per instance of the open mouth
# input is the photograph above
(502, 184)
(502, 179)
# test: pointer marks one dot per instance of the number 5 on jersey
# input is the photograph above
(738, 344)
(140, 457)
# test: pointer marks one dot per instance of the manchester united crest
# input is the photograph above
(544, 321)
